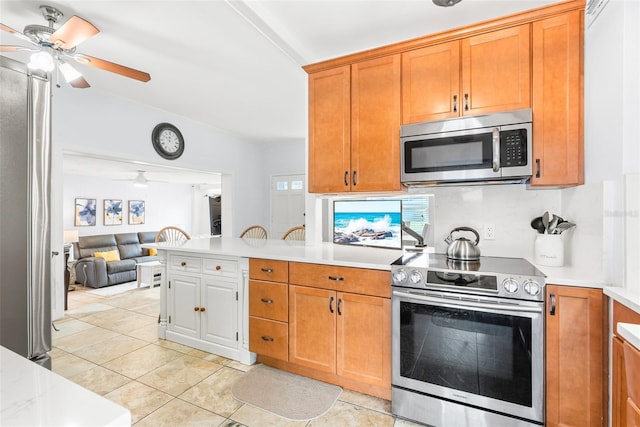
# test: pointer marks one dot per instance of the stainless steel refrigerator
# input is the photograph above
(25, 243)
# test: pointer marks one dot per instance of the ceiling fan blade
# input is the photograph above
(113, 67)
(7, 48)
(15, 32)
(73, 32)
(79, 83)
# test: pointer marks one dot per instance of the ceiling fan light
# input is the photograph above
(140, 181)
(41, 61)
(70, 74)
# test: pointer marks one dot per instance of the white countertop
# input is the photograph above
(34, 396)
(323, 253)
(630, 332)
(624, 296)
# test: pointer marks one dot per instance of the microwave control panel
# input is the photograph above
(513, 147)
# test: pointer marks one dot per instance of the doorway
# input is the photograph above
(287, 203)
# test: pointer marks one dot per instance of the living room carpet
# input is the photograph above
(288, 395)
(108, 291)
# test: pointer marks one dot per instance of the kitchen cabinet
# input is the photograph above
(632, 370)
(558, 145)
(202, 303)
(269, 308)
(354, 127)
(620, 415)
(575, 357)
(475, 75)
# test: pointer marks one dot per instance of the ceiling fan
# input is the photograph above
(54, 46)
(140, 180)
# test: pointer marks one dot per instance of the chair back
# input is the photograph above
(255, 232)
(294, 233)
(172, 234)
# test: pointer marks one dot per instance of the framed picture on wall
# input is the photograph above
(136, 212)
(85, 212)
(112, 212)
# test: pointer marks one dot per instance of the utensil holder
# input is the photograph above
(549, 250)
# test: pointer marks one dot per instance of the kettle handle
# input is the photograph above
(467, 229)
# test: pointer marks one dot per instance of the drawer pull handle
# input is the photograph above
(196, 308)
(336, 279)
(266, 301)
(183, 263)
(331, 305)
(218, 268)
(552, 311)
(339, 306)
(202, 309)
(266, 270)
(268, 339)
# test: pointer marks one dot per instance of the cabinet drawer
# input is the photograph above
(219, 267)
(269, 300)
(632, 370)
(269, 338)
(185, 263)
(346, 279)
(268, 269)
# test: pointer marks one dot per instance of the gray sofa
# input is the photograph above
(97, 272)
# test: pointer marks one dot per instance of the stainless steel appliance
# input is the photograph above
(493, 147)
(25, 276)
(467, 341)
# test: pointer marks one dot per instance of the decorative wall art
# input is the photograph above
(112, 212)
(85, 212)
(136, 212)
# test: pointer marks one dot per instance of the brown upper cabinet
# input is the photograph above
(354, 127)
(476, 75)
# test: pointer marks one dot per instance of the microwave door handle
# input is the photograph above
(496, 149)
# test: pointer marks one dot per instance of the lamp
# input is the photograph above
(70, 236)
(41, 60)
(140, 180)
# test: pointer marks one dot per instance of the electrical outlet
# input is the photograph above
(489, 232)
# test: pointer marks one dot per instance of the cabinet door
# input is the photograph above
(364, 338)
(557, 101)
(431, 83)
(330, 130)
(375, 124)
(184, 305)
(574, 356)
(219, 311)
(312, 328)
(633, 419)
(496, 73)
(619, 392)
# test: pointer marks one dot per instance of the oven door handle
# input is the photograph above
(472, 304)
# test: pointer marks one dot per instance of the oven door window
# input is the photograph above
(449, 153)
(483, 353)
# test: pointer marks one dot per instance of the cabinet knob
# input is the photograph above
(183, 263)
(202, 309)
(196, 308)
(218, 268)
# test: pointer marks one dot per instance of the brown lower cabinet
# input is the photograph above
(622, 414)
(575, 357)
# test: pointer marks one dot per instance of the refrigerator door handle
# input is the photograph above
(54, 253)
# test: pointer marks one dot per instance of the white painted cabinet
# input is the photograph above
(203, 304)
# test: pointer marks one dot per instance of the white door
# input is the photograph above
(287, 203)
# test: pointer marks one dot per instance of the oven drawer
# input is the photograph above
(344, 279)
(269, 338)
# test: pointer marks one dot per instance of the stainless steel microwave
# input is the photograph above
(480, 149)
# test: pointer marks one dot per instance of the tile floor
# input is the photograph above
(109, 345)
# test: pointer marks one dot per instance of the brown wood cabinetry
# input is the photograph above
(269, 308)
(354, 127)
(621, 413)
(575, 357)
(632, 371)
(558, 100)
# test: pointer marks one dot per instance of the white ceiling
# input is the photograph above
(236, 65)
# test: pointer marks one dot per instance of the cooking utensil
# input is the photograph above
(564, 226)
(536, 224)
(545, 221)
(553, 223)
(462, 248)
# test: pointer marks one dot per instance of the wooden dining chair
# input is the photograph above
(172, 234)
(294, 233)
(255, 232)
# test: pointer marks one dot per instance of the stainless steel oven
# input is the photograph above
(467, 341)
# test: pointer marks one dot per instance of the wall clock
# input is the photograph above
(167, 141)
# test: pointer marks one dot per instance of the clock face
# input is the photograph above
(167, 141)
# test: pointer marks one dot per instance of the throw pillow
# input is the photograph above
(153, 251)
(108, 256)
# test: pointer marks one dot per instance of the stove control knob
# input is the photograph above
(510, 285)
(532, 287)
(399, 276)
(415, 277)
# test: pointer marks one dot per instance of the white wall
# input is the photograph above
(165, 204)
